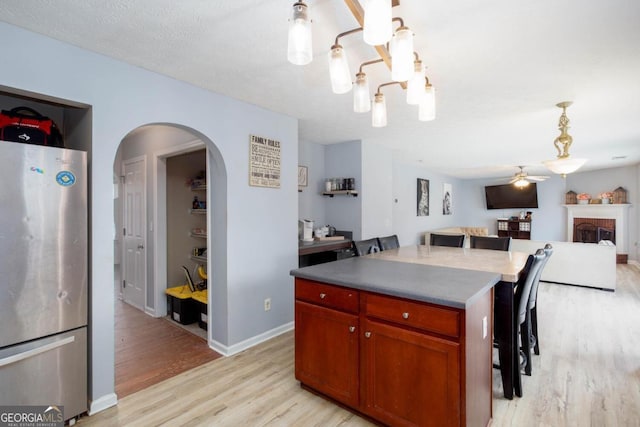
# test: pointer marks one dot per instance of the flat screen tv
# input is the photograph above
(510, 197)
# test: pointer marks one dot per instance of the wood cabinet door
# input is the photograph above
(410, 378)
(326, 351)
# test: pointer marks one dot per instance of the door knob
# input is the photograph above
(323, 296)
(352, 328)
(367, 334)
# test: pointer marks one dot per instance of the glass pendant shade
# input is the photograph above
(377, 22)
(361, 98)
(339, 70)
(379, 111)
(299, 50)
(415, 85)
(565, 165)
(401, 49)
(427, 106)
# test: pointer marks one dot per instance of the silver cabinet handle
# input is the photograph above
(367, 334)
(405, 315)
(352, 329)
(323, 296)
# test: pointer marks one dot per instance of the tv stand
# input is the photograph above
(515, 228)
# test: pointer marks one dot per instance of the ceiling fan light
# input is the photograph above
(427, 106)
(299, 50)
(339, 70)
(521, 183)
(361, 97)
(377, 22)
(401, 49)
(415, 85)
(379, 111)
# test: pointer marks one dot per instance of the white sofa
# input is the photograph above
(583, 264)
(467, 231)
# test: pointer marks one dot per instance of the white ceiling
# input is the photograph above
(499, 68)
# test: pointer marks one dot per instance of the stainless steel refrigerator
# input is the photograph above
(43, 277)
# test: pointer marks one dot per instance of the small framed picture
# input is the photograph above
(302, 176)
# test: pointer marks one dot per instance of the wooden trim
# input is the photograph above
(358, 12)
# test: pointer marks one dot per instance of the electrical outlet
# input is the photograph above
(267, 304)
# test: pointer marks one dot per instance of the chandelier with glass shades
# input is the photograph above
(564, 164)
(395, 48)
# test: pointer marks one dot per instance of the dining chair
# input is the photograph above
(451, 240)
(522, 344)
(365, 247)
(495, 243)
(532, 312)
(388, 242)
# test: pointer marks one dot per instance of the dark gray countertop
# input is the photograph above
(450, 287)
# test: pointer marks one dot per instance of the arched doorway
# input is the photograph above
(153, 145)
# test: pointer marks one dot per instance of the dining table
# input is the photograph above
(509, 264)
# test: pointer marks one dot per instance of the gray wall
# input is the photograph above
(125, 97)
(311, 204)
(344, 212)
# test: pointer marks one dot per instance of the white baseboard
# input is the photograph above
(241, 346)
(102, 403)
(634, 263)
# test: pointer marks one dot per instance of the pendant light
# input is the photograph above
(299, 50)
(401, 49)
(377, 22)
(379, 111)
(563, 164)
(361, 98)
(427, 106)
(339, 70)
(415, 85)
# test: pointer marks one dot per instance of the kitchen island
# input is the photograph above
(403, 343)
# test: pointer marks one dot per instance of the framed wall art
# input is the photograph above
(264, 162)
(423, 197)
(447, 199)
(302, 176)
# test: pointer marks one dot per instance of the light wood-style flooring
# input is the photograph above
(150, 350)
(588, 374)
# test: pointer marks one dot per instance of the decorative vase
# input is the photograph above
(583, 201)
(605, 201)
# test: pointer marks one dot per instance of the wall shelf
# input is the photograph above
(198, 211)
(200, 259)
(198, 235)
(340, 193)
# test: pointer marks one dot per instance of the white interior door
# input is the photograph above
(134, 226)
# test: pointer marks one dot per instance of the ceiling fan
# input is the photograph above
(523, 179)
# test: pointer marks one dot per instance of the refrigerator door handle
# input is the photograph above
(35, 351)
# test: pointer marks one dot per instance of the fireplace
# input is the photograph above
(593, 230)
(616, 231)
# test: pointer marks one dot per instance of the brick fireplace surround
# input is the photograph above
(603, 219)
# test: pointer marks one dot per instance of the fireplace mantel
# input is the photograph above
(619, 212)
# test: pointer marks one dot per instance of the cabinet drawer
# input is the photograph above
(327, 295)
(416, 315)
